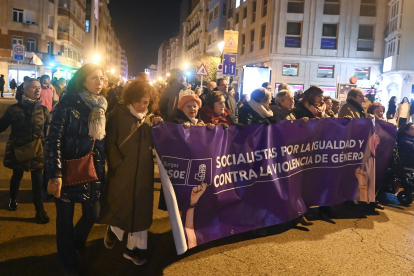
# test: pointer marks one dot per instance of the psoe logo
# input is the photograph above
(200, 171)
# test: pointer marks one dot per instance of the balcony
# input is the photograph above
(195, 43)
(194, 28)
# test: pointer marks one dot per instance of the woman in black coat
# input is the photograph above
(392, 108)
(29, 122)
(78, 122)
(257, 111)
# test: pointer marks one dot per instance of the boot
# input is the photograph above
(302, 220)
(110, 238)
(42, 217)
(13, 206)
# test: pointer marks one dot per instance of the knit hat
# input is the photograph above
(186, 98)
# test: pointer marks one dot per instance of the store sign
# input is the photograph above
(387, 64)
(292, 41)
(328, 43)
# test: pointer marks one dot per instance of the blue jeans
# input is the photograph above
(70, 239)
(37, 183)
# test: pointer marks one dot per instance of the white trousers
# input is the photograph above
(136, 239)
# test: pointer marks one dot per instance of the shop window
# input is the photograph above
(17, 40)
(366, 38)
(17, 15)
(290, 69)
(263, 37)
(31, 45)
(325, 71)
(264, 10)
(295, 6)
(252, 33)
(293, 34)
(362, 73)
(329, 36)
(368, 8)
(331, 7)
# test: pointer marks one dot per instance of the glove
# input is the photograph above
(225, 127)
(239, 126)
(266, 122)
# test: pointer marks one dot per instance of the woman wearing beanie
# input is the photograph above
(187, 114)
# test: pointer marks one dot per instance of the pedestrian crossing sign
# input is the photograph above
(202, 71)
(231, 39)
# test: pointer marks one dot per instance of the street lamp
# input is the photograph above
(186, 65)
(221, 47)
(96, 58)
(159, 78)
(168, 74)
(112, 70)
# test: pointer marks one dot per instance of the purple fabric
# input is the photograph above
(233, 204)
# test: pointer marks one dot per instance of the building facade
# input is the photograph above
(217, 21)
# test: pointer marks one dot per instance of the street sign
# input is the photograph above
(229, 64)
(18, 52)
(35, 60)
(219, 74)
(231, 40)
(202, 71)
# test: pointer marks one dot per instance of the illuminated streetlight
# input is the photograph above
(107, 71)
(96, 58)
(186, 65)
(168, 74)
(221, 47)
(159, 78)
(187, 73)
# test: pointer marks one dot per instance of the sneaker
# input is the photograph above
(42, 217)
(136, 256)
(110, 238)
(13, 206)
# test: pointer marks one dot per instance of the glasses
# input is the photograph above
(361, 96)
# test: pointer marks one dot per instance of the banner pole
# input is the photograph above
(18, 63)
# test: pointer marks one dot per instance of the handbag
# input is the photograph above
(79, 171)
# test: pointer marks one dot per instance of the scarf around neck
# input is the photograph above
(96, 120)
(140, 116)
(260, 109)
(358, 107)
(29, 101)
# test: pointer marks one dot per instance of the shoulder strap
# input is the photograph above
(132, 133)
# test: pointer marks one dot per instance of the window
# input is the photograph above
(245, 13)
(17, 40)
(70, 53)
(17, 15)
(72, 30)
(290, 69)
(325, 71)
(243, 44)
(252, 32)
(50, 47)
(50, 22)
(329, 32)
(368, 8)
(293, 34)
(216, 11)
(394, 15)
(263, 37)
(87, 26)
(366, 38)
(237, 3)
(362, 73)
(224, 9)
(254, 8)
(209, 39)
(236, 19)
(31, 45)
(264, 11)
(331, 7)
(210, 16)
(30, 17)
(295, 6)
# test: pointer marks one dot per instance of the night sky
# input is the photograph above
(141, 26)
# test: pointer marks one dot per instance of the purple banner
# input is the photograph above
(265, 175)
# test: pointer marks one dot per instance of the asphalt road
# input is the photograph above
(357, 243)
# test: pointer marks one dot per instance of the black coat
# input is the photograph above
(301, 111)
(28, 123)
(68, 139)
(247, 116)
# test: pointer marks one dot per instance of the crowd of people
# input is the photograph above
(91, 122)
